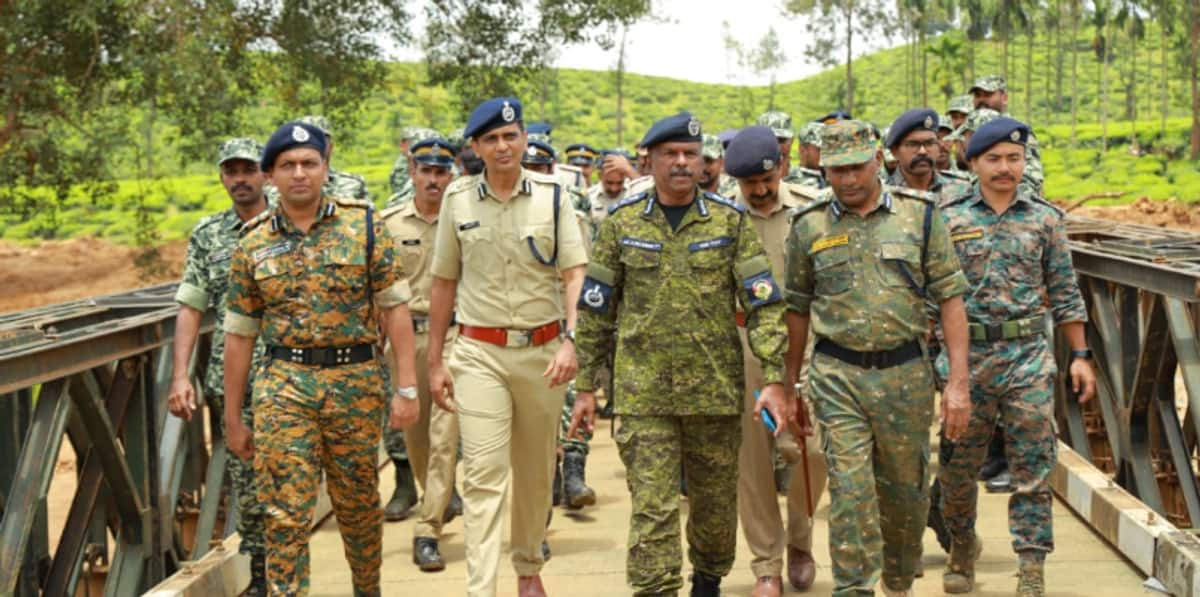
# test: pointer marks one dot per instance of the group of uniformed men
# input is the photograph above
(718, 296)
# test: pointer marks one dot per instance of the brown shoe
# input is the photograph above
(802, 570)
(530, 586)
(768, 586)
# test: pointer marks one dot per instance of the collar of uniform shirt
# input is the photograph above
(523, 183)
(836, 207)
(280, 222)
(1021, 198)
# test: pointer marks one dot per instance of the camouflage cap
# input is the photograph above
(421, 134)
(241, 148)
(318, 121)
(944, 122)
(712, 148)
(961, 103)
(847, 142)
(810, 133)
(780, 123)
(407, 132)
(456, 137)
(978, 118)
(989, 83)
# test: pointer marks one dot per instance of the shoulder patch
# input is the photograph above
(626, 202)
(715, 198)
(347, 202)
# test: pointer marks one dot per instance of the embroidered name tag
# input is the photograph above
(967, 235)
(642, 244)
(272, 251)
(222, 255)
(469, 225)
(712, 243)
(829, 242)
(410, 242)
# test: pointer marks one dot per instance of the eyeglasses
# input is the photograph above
(917, 145)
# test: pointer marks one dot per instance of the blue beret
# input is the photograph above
(493, 113)
(917, 119)
(540, 128)
(753, 151)
(538, 152)
(680, 127)
(434, 151)
(726, 136)
(290, 136)
(996, 131)
(834, 116)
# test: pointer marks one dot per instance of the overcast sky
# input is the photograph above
(656, 48)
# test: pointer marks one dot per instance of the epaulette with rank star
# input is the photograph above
(715, 198)
(626, 202)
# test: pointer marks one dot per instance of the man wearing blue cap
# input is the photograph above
(509, 251)
(338, 183)
(668, 267)
(753, 160)
(1013, 248)
(309, 276)
(913, 139)
(583, 156)
(432, 443)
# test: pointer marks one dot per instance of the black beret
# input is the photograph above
(680, 127)
(434, 151)
(999, 130)
(917, 119)
(493, 113)
(540, 128)
(751, 152)
(290, 136)
(726, 136)
(834, 116)
(538, 152)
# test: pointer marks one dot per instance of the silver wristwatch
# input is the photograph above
(408, 393)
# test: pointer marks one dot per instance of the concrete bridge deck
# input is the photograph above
(589, 551)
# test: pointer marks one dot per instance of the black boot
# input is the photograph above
(258, 576)
(405, 496)
(556, 493)
(426, 555)
(454, 509)
(577, 492)
(705, 585)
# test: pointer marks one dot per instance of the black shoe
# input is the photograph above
(405, 496)
(935, 520)
(991, 468)
(556, 492)
(454, 509)
(258, 576)
(1001, 483)
(705, 585)
(576, 491)
(426, 555)
(545, 551)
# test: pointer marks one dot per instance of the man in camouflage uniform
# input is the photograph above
(205, 279)
(913, 140)
(958, 108)
(861, 265)
(432, 444)
(713, 178)
(667, 269)
(1013, 248)
(992, 92)
(309, 276)
(753, 159)
(809, 173)
(780, 124)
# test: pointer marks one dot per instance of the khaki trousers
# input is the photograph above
(758, 506)
(508, 419)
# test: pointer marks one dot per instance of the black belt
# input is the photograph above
(331, 356)
(882, 359)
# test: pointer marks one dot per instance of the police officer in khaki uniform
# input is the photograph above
(509, 250)
(433, 442)
(753, 159)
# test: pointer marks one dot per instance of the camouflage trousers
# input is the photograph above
(1012, 382)
(875, 424)
(251, 513)
(571, 444)
(310, 420)
(653, 449)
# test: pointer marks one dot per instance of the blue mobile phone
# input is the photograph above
(767, 420)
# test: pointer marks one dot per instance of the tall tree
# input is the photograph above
(767, 59)
(1164, 12)
(1129, 20)
(1076, 16)
(833, 24)
(949, 72)
(1193, 69)
(1102, 14)
(619, 75)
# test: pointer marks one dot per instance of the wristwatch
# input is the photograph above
(1085, 353)
(407, 393)
(569, 335)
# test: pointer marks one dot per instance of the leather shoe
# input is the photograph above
(768, 586)
(426, 555)
(802, 570)
(530, 586)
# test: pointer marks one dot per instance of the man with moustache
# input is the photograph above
(1013, 248)
(753, 160)
(608, 191)
(309, 276)
(862, 264)
(668, 267)
(913, 140)
(583, 156)
(431, 444)
(712, 176)
(510, 259)
(205, 279)
(991, 92)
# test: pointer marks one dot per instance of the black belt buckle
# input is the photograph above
(320, 356)
(993, 333)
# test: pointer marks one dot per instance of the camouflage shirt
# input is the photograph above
(944, 188)
(670, 297)
(846, 270)
(400, 181)
(205, 280)
(306, 290)
(806, 176)
(1015, 262)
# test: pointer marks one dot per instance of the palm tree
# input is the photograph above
(1102, 14)
(1129, 19)
(949, 72)
(1076, 9)
(1165, 12)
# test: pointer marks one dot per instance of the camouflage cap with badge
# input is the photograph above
(962, 104)
(712, 148)
(847, 142)
(810, 133)
(780, 124)
(240, 148)
(975, 119)
(989, 84)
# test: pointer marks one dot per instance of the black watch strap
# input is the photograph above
(1085, 353)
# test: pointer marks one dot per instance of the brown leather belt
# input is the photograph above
(512, 338)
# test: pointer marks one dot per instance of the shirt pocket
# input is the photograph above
(479, 252)
(639, 259)
(711, 254)
(900, 265)
(345, 271)
(538, 241)
(274, 285)
(832, 271)
(411, 252)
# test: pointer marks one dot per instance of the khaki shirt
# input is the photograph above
(773, 227)
(495, 249)
(413, 238)
(599, 203)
